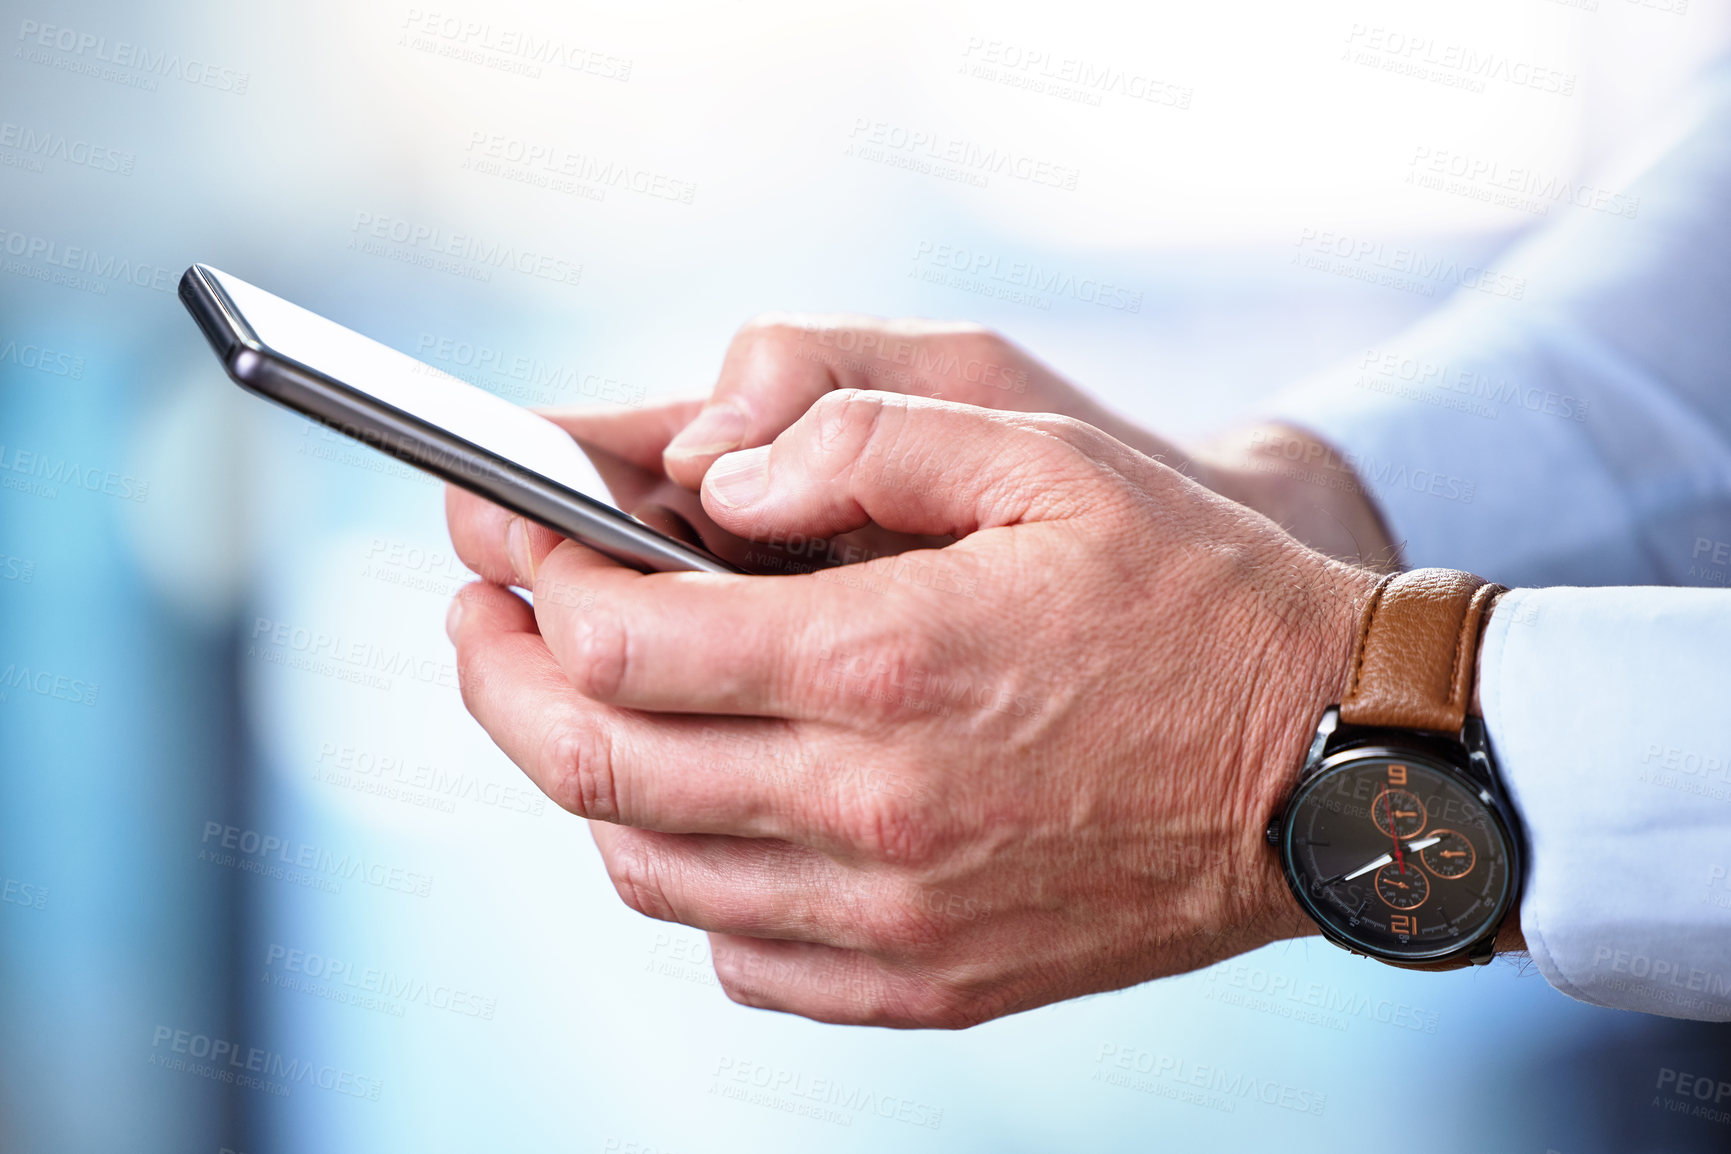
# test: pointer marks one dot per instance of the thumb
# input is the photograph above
(767, 380)
(910, 465)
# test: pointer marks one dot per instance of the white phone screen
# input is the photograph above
(469, 413)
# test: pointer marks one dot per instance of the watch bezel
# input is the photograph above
(1344, 746)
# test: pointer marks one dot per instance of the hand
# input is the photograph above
(931, 789)
(778, 366)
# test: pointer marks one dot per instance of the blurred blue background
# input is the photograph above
(220, 847)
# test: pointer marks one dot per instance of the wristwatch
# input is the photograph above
(1398, 839)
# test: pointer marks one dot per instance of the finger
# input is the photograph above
(779, 365)
(912, 465)
(703, 642)
(504, 548)
(844, 987)
(638, 435)
(681, 775)
(757, 886)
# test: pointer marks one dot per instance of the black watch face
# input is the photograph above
(1396, 855)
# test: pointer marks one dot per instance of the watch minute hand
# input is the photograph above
(1414, 846)
(1368, 866)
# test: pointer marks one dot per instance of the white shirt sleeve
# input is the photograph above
(1581, 436)
(1609, 712)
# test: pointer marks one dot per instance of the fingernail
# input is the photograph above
(740, 478)
(718, 429)
(517, 549)
(453, 618)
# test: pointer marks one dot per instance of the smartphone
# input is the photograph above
(392, 402)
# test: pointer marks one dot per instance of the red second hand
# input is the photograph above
(1399, 860)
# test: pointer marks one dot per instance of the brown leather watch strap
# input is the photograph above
(1416, 653)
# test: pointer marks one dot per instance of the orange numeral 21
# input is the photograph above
(1397, 775)
(1402, 924)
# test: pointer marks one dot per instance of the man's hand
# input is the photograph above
(778, 366)
(946, 785)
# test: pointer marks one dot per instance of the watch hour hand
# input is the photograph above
(1368, 866)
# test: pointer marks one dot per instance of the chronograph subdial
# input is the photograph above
(1398, 813)
(1402, 885)
(1452, 855)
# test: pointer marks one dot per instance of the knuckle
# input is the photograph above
(600, 655)
(635, 870)
(1065, 438)
(577, 766)
(891, 830)
(847, 419)
(903, 676)
(906, 927)
(743, 975)
(929, 1002)
(471, 676)
(947, 1008)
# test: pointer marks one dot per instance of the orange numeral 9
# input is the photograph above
(1402, 924)
(1397, 775)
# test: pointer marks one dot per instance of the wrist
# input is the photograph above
(1305, 486)
(1309, 676)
